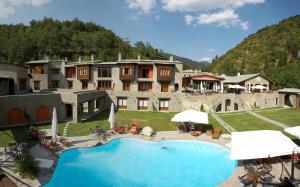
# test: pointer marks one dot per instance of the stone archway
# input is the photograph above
(219, 108)
(42, 114)
(236, 107)
(287, 100)
(15, 116)
(227, 105)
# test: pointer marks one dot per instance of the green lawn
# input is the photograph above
(245, 122)
(19, 134)
(159, 121)
(290, 116)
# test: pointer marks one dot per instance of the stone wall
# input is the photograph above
(15, 72)
(29, 104)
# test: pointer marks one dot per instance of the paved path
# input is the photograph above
(223, 123)
(276, 123)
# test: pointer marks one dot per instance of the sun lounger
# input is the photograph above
(217, 133)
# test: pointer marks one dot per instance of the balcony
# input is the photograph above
(126, 72)
(83, 72)
(164, 73)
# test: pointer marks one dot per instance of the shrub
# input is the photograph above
(27, 166)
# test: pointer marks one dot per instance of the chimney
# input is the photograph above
(171, 58)
(92, 57)
(139, 57)
(66, 59)
(238, 74)
(79, 59)
(119, 57)
(46, 57)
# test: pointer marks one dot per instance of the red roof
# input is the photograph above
(207, 77)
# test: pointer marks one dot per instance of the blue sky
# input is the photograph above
(197, 29)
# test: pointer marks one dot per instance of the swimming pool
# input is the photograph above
(129, 162)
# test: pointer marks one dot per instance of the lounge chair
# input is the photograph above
(217, 133)
(252, 176)
(135, 129)
(181, 128)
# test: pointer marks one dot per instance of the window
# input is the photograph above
(145, 86)
(164, 87)
(165, 72)
(126, 71)
(104, 85)
(55, 84)
(70, 84)
(36, 85)
(104, 72)
(145, 73)
(142, 104)
(38, 69)
(70, 72)
(122, 103)
(84, 85)
(22, 84)
(126, 86)
(55, 71)
(164, 104)
(83, 71)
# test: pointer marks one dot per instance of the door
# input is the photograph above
(11, 88)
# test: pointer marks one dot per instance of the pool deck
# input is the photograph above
(92, 140)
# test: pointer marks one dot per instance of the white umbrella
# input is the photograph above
(260, 87)
(54, 124)
(191, 116)
(260, 144)
(236, 86)
(295, 131)
(111, 118)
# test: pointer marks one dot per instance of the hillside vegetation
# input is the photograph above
(59, 39)
(273, 51)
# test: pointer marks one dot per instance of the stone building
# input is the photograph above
(248, 81)
(290, 97)
(14, 79)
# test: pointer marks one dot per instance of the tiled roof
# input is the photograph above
(290, 90)
(239, 78)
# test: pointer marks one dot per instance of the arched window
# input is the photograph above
(42, 114)
(15, 116)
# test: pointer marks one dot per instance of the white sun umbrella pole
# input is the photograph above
(54, 124)
(111, 118)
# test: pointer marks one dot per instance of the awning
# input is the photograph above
(191, 116)
(295, 131)
(236, 86)
(260, 144)
(260, 87)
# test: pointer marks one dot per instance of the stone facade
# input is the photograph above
(11, 76)
(80, 90)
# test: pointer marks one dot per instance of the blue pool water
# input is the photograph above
(129, 162)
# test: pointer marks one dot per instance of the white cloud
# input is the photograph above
(226, 18)
(204, 5)
(217, 12)
(7, 7)
(207, 59)
(188, 19)
(5, 10)
(143, 6)
(211, 50)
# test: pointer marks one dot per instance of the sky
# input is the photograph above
(196, 29)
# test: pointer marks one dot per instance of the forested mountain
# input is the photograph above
(58, 39)
(273, 51)
(192, 64)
